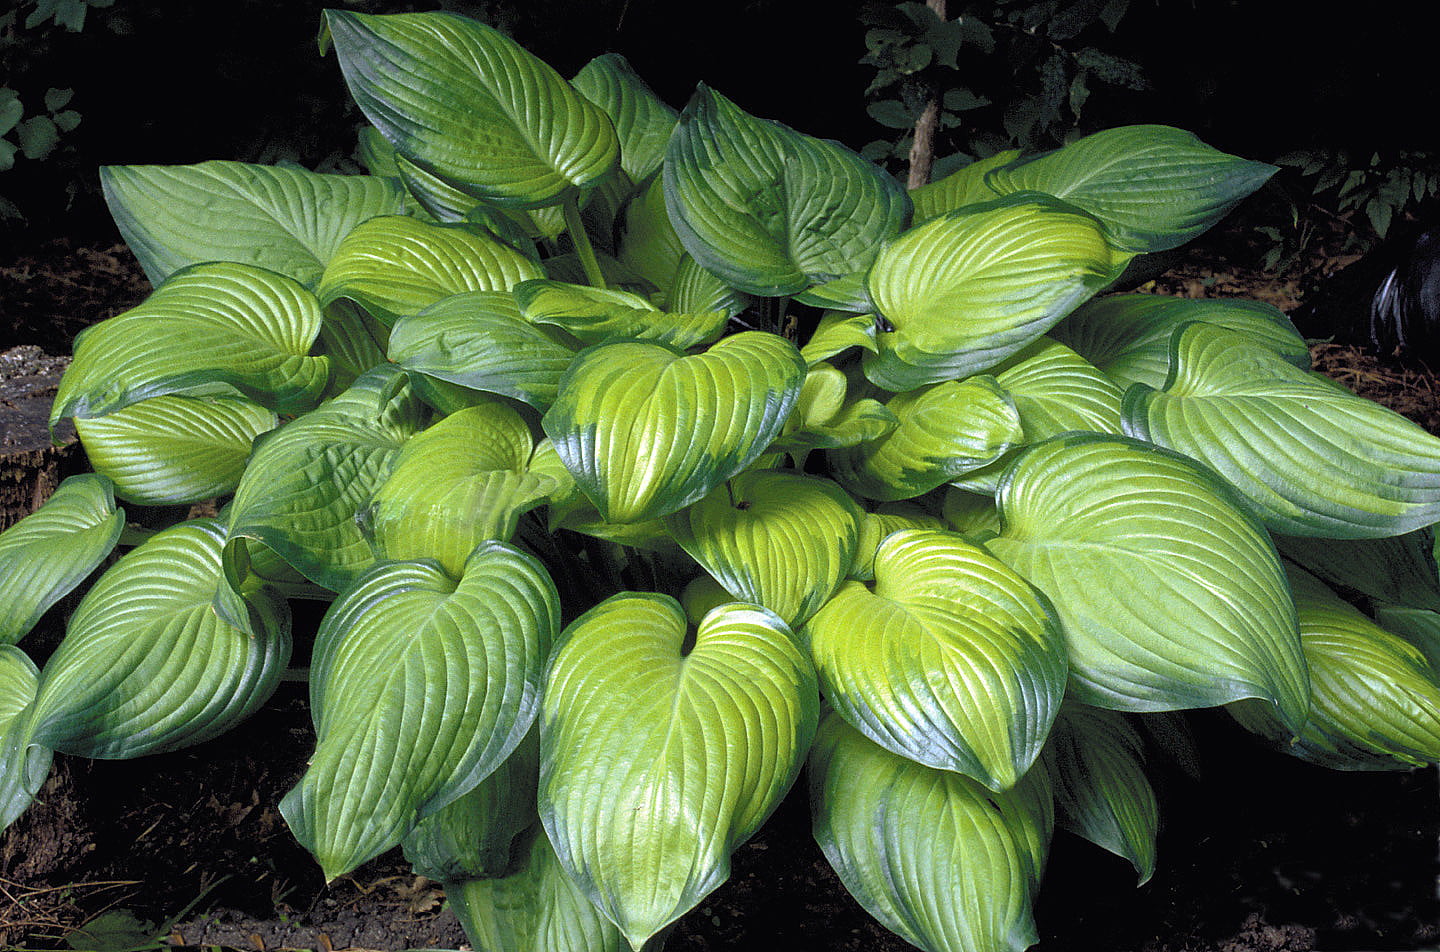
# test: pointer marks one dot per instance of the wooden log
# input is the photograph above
(31, 463)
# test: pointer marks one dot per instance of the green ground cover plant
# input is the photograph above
(644, 459)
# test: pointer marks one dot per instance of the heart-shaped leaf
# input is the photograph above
(23, 765)
(481, 833)
(962, 187)
(536, 908)
(175, 449)
(1169, 592)
(396, 266)
(964, 291)
(1310, 458)
(284, 219)
(467, 103)
(1375, 700)
(52, 550)
(308, 479)
(146, 666)
(643, 122)
(1128, 335)
(1096, 761)
(769, 210)
(211, 324)
(942, 862)
(597, 316)
(949, 658)
(1154, 187)
(420, 687)
(646, 430)
(945, 431)
(780, 540)
(465, 479)
(657, 762)
(481, 341)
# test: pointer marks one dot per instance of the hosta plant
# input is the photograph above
(647, 459)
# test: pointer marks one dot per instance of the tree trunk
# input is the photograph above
(31, 466)
(922, 146)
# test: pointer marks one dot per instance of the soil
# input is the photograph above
(1261, 853)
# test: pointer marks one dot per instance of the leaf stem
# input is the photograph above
(575, 227)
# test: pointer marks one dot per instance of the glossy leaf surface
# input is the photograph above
(23, 765)
(420, 686)
(642, 121)
(656, 763)
(598, 316)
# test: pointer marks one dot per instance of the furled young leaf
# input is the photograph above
(146, 666)
(642, 121)
(945, 431)
(464, 480)
(657, 762)
(1097, 764)
(1128, 335)
(646, 430)
(822, 418)
(420, 687)
(769, 210)
(964, 291)
(467, 103)
(396, 266)
(1153, 187)
(23, 765)
(838, 332)
(481, 833)
(778, 539)
(949, 658)
(942, 862)
(1169, 592)
(481, 341)
(1309, 457)
(174, 449)
(597, 316)
(1399, 569)
(284, 219)
(308, 479)
(1375, 700)
(211, 324)
(52, 550)
(966, 186)
(536, 908)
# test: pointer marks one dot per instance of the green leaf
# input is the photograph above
(11, 109)
(1093, 520)
(481, 833)
(38, 137)
(307, 480)
(57, 99)
(836, 333)
(420, 687)
(52, 550)
(643, 122)
(824, 420)
(23, 765)
(769, 210)
(395, 266)
(212, 324)
(945, 431)
(468, 104)
(949, 659)
(967, 290)
(482, 341)
(281, 218)
(1097, 764)
(464, 480)
(1375, 702)
(146, 666)
(173, 450)
(1153, 187)
(781, 540)
(657, 762)
(1128, 335)
(596, 316)
(877, 526)
(942, 862)
(966, 186)
(646, 430)
(536, 908)
(1309, 457)
(1396, 569)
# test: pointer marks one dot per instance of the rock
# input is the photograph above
(32, 464)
